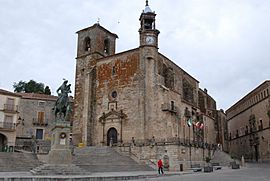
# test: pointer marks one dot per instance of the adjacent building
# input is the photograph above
(9, 119)
(37, 120)
(36, 116)
(249, 125)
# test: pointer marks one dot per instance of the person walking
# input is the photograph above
(160, 167)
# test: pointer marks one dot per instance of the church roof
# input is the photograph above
(97, 25)
(178, 67)
(147, 8)
(255, 91)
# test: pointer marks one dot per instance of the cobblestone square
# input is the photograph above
(253, 172)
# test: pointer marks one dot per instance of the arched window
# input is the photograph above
(172, 105)
(3, 141)
(113, 70)
(261, 125)
(106, 46)
(87, 44)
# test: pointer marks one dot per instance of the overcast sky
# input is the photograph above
(225, 44)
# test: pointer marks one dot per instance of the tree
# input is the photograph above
(31, 87)
(19, 87)
(47, 90)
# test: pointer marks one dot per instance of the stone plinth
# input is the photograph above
(60, 157)
(60, 152)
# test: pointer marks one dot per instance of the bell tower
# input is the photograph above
(148, 31)
(96, 40)
(94, 43)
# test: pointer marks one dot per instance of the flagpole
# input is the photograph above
(189, 147)
(203, 139)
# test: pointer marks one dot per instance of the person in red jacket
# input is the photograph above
(160, 167)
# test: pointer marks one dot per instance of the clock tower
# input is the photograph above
(148, 31)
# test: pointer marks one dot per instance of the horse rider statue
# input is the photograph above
(62, 106)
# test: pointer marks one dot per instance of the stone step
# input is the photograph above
(14, 161)
(58, 169)
(105, 159)
(222, 158)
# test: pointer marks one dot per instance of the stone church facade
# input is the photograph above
(137, 95)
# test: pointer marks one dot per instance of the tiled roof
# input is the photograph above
(38, 96)
(5, 92)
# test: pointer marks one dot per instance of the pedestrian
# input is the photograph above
(160, 167)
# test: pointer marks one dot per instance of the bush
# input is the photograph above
(207, 159)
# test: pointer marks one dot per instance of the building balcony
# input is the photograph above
(40, 122)
(10, 108)
(169, 107)
(7, 126)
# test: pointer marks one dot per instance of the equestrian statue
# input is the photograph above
(62, 106)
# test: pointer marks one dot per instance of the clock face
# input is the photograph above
(150, 40)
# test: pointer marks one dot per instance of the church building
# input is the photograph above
(136, 95)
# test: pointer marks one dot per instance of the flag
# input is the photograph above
(201, 126)
(189, 122)
(197, 124)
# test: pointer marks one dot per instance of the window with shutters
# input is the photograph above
(41, 117)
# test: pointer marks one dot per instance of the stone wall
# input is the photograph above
(177, 151)
(118, 89)
(30, 107)
(249, 125)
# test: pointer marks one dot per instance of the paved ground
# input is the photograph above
(252, 172)
(92, 176)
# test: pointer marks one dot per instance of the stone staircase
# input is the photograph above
(105, 159)
(19, 162)
(222, 158)
(59, 169)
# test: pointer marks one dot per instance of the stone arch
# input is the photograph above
(113, 119)
(3, 141)
(87, 44)
(112, 136)
(107, 46)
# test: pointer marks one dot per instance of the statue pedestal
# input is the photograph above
(60, 157)
(60, 152)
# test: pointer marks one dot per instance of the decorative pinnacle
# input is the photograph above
(146, 3)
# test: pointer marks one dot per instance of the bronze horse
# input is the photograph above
(62, 106)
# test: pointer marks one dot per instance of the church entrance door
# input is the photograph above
(111, 136)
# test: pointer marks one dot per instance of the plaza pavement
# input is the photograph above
(96, 176)
(253, 172)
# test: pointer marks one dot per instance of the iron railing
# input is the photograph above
(40, 122)
(10, 108)
(8, 125)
